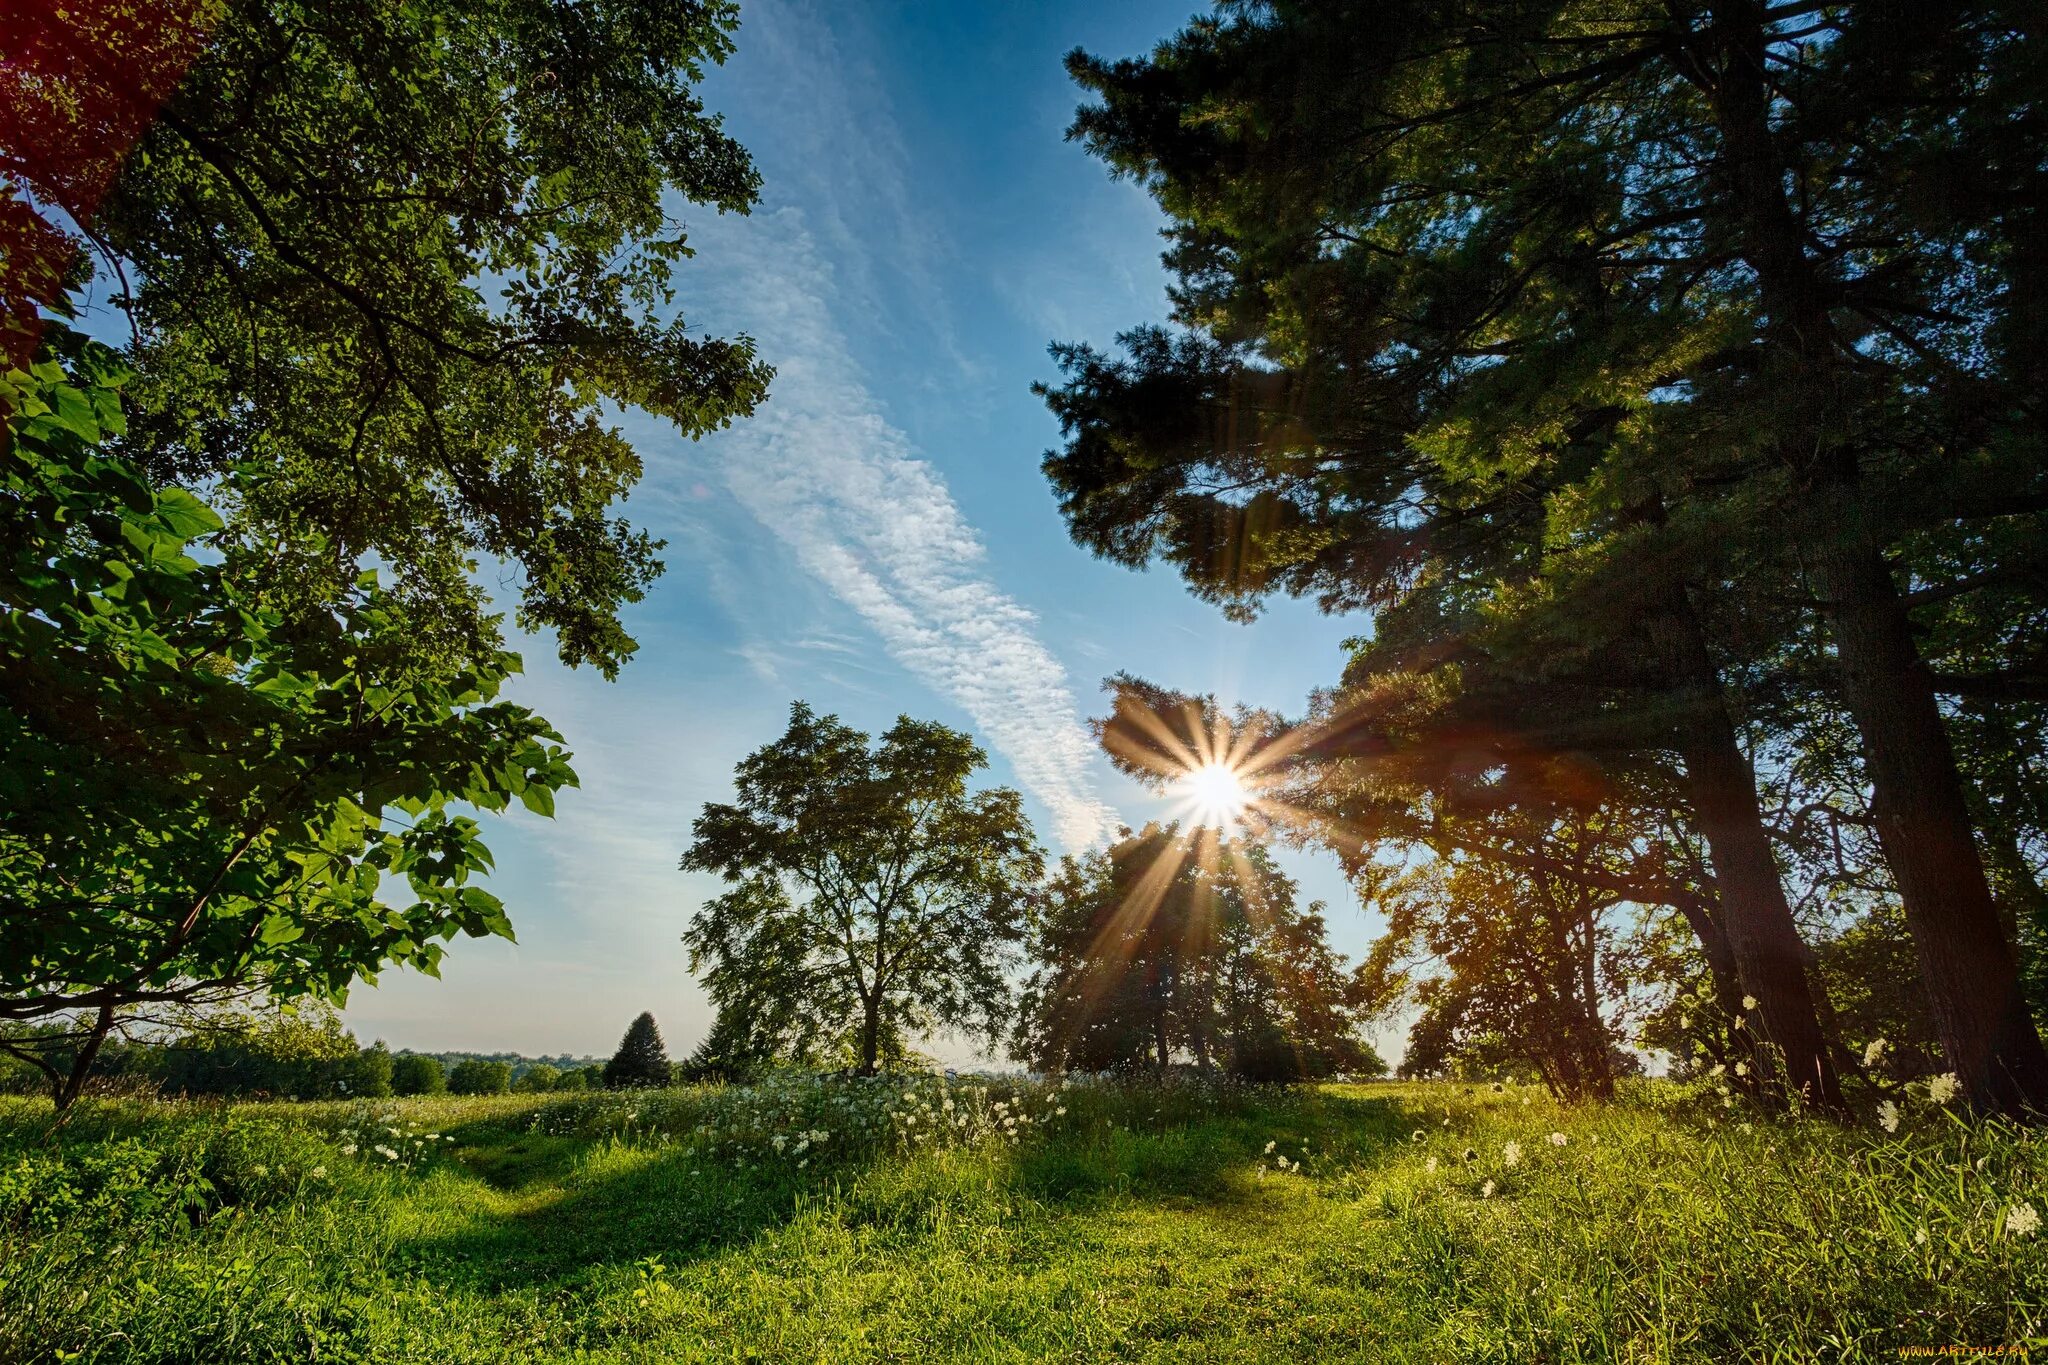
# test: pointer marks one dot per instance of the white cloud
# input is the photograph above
(821, 467)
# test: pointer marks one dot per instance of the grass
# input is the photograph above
(1143, 1223)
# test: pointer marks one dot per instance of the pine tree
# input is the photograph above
(641, 1060)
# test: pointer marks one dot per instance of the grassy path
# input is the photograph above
(1137, 1230)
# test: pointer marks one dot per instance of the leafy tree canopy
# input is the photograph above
(391, 266)
(198, 795)
(871, 894)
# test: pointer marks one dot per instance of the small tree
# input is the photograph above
(576, 1078)
(413, 1074)
(641, 1061)
(478, 1077)
(872, 895)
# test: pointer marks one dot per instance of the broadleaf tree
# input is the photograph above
(871, 893)
(389, 269)
(199, 798)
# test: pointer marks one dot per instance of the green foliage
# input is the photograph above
(1168, 946)
(393, 266)
(1148, 1222)
(870, 894)
(479, 1078)
(536, 1079)
(413, 1074)
(197, 795)
(641, 1061)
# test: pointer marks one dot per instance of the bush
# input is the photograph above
(475, 1077)
(413, 1074)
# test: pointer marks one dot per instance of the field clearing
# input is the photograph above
(1093, 1222)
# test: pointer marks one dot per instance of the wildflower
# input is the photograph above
(1685, 1021)
(1943, 1088)
(433, 1137)
(1888, 1116)
(348, 1149)
(1059, 1111)
(1920, 1237)
(386, 1152)
(1486, 1190)
(1719, 1070)
(1742, 1068)
(318, 1172)
(1738, 1021)
(1269, 1148)
(2022, 1221)
(1511, 1154)
(1873, 1051)
(1749, 1002)
(1558, 1139)
(1430, 1165)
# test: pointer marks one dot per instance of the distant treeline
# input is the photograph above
(307, 1055)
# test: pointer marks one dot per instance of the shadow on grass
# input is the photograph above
(567, 1207)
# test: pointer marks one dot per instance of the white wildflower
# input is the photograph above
(1511, 1155)
(1888, 1116)
(2022, 1221)
(318, 1173)
(1920, 1237)
(1749, 1002)
(1719, 1070)
(1269, 1148)
(1943, 1088)
(1558, 1139)
(348, 1149)
(1873, 1051)
(1742, 1068)
(1430, 1165)
(1486, 1190)
(1738, 1021)
(386, 1152)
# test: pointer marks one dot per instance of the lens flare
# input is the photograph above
(1215, 794)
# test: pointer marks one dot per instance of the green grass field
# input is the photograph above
(819, 1221)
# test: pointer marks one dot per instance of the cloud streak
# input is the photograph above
(822, 468)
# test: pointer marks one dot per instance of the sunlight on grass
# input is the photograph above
(1420, 1222)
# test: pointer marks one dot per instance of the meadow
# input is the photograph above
(992, 1219)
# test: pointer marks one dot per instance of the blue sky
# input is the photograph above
(878, 539)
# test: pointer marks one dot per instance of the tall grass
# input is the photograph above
(814, 1219)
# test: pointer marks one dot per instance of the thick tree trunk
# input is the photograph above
(1917, 794)
(1763, 940)
(1923, 824)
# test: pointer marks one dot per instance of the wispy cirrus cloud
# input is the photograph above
(823, 469)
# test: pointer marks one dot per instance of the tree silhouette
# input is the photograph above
(641, 1061)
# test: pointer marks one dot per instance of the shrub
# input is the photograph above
(413, 1074)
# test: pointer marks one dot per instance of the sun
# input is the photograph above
(1215, 793)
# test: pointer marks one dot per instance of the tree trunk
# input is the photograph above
(1970, 972)
(870, 1033)
(1763, 939)
(1923, 824)
(72, 1086)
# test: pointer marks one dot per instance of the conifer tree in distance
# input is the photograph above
(641, 1060)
